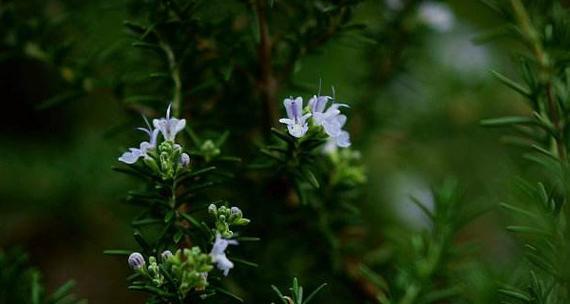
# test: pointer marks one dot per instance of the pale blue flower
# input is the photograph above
(169, 127)
(218, 254)
(342, 139)
(132, 156)
(326, 117)
(296, 122)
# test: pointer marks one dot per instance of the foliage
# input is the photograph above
(231, 191)
(20, 283)
(540, 208)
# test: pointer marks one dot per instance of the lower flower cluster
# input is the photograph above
(185, 270)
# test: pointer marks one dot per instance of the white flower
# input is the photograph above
(327, 118)
(169, 127)
(130, 157)
(436, 15)
(218, 254)
(296, 122)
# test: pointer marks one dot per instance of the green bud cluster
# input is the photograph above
(209, 150)
(169, 156)
(154, 272)
(189, 268)
(225, 217)
(186, 270)
(347, 169)
(166, 160)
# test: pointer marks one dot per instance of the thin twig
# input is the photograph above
(174, 70)
(267, 82)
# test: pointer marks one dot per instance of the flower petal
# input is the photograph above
(332, 127)
(131, 156)
(286, 121)
(343, 140)
(297, 107)
(287, 102)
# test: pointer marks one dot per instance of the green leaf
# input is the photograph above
(527, 230)
(248, 239)
(117, 252)
(439, 296)
(509, 120)
(519, 295)
(59, 99)
(314, 293)
(278, 292)
(308, 174)
(280, 134)
(177, 237)
(512, 84)
(153, 290)
(140, 240)
(36, 288)
(422, 207)
(145, 222)
(373, 277)
(63, 291)
(518, 210)
(146, 45)
(142, 98)
(134, 27)
(271, 154)
(228, 293)
(248, 263)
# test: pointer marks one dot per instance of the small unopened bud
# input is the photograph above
(136, 261)
(212, 209)
(165, 255)
(235, 211)
(184, 160)
(203, 281)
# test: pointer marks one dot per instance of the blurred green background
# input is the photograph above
(61, 202)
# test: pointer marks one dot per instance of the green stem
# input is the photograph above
(175, 75)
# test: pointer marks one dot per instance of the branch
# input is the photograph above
(541, 56)
(267, 83)
(174, 74)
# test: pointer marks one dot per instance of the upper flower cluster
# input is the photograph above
(168, 154)
(320, 114)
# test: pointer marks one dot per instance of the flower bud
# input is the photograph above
(184, 160)
(235, 211)
(136, 261)
(212, 209)
(165, 255)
